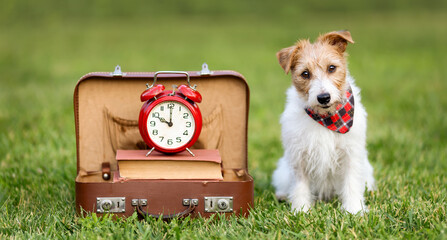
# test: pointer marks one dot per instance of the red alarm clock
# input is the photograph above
(170, 121)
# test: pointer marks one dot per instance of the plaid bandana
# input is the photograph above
(343, 118)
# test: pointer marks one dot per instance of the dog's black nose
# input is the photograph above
(324, 98)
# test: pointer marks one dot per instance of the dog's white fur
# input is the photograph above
(319, 163)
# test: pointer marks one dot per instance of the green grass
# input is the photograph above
(398, 60)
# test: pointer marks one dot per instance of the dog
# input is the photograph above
(323, 128)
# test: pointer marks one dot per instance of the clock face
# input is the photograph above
(170, 125)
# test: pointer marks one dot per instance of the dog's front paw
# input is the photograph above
(281, 196)
(297, 208)
(354, 208)
(371, 185)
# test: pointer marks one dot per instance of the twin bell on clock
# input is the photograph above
(170, 120)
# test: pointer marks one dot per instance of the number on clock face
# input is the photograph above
(170, 125)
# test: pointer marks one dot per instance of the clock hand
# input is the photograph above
(163, 120)
(170, 117)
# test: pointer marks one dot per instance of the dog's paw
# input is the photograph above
(371, 186)
(281, 196)
(300, 208)
(355, 208)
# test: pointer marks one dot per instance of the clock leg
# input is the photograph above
(150, 151)
(187, 149)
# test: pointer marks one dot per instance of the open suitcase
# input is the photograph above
(106, 109)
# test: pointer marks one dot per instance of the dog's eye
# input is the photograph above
(331, 68)
(305, 75)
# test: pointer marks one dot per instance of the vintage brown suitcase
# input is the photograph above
(106, 109)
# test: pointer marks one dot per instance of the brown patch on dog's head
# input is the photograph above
(322, 60)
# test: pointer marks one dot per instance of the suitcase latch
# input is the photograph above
(218, 204)
(110, 204)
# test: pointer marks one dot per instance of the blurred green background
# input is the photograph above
(398, 60)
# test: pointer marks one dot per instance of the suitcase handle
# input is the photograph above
(170, 72)
(182, 214)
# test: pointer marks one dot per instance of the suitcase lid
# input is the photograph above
(107, 106)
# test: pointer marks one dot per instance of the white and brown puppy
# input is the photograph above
(323, 128)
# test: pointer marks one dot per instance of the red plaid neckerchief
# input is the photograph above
(343, 118)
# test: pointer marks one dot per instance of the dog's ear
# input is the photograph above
(338, 39)
(285, 58)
